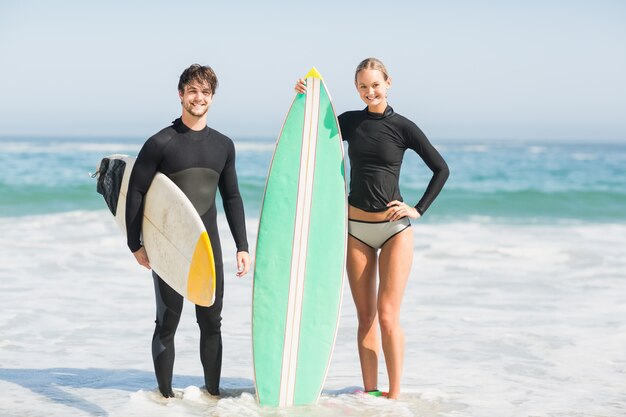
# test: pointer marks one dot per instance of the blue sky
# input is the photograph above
(461, 69)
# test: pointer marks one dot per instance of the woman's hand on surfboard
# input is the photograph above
(243, 263)
(300, 86)
(142, 257)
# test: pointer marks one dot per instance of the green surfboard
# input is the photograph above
(300, 253)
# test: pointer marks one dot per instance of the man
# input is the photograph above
(199, 160)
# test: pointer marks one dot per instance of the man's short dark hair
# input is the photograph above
(202, 74)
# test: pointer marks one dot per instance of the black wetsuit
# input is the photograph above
(377, 143)
(199, 162)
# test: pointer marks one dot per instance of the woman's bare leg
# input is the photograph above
(361, 268)
(396, 258)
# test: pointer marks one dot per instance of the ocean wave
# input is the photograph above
(66, 147)
(499, 181)
(453, 203)
(254, 146)
(537, 149)
(537, 204)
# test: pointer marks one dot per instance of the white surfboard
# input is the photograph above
(173, 234)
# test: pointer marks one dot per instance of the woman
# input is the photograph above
(378, 219)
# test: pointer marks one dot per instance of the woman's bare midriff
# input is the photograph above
(368, 216)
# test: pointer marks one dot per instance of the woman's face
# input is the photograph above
(372, 88)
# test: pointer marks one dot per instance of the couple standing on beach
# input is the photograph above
(380, 239)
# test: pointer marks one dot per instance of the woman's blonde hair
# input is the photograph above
(373, 64)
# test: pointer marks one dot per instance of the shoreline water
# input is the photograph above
(500, 319)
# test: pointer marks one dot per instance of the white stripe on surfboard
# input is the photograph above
(301, 235)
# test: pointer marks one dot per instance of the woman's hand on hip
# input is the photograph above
(398, 209)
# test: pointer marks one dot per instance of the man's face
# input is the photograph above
(196, 99)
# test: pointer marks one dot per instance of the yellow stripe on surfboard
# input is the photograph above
(202, 265)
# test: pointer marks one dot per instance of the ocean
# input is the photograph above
(516, 304)
(497, 181)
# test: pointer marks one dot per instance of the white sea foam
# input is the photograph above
(476, 148)
(133, 147)
(580, 156)
(537, 149)
(52, 147)
(500, 320)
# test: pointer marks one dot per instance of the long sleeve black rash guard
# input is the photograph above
(199, 162)
(377, 143)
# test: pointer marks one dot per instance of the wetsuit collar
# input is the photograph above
(388, 112)
(180, 127)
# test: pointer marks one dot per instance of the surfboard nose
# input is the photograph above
(200, 290)
(314, 74)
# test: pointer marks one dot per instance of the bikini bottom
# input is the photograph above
(376, 234)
